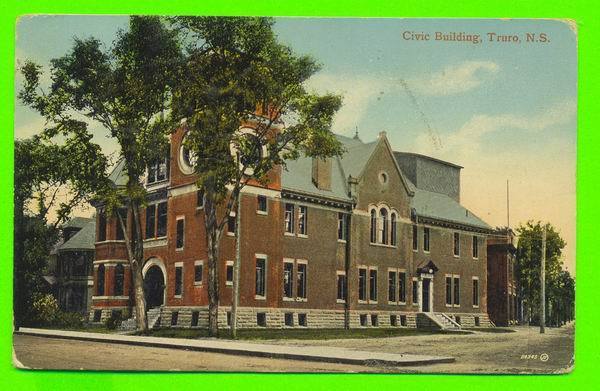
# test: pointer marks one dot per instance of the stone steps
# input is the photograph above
(153, 317)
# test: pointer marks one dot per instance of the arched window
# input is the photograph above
(119, 279)
(394, 229)
(373, 226)
(383, 238)
(100, 281)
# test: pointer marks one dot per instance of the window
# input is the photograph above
(477, 322)
(302, 280)
(260, 277)
(394, 230)
(150, 221)
(119, 279)
(178, 280)
(174, 317)
(289, 218)
(261, 204)
(195, 318)
(200, 198)
(198, 271)
(122, 212)
(288, 319)
(161, 227)
(374, 320)
(229, 273)
(302, 220)
(288, 280)
(231, 224)
(403, 320)
(456, 244)
(475, 247)
(426, 239)
(158, 171)
(457, 319)
(415, 238)
(261, 319)
(373, 226)
(475, 292)
(457, 291)
(392, 281)
(362, 284)
(180, 233)
(228, 316)
(373, 285)
(302, 320)
(402, 287)
(342, 221)
(342, 289)
(100, 281)
(383, 227)
(448, 290)
(415, 291)
(363, 320)
(101, 226)
(97, 315)
(393, 320)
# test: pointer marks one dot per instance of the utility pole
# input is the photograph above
(507, 208)
(236, 268)
(543, 285)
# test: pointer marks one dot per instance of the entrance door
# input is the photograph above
(154, 287)
(425, 295)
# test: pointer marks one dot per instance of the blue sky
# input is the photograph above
(504, 111)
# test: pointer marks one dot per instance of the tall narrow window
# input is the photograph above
(383, 228)
(122, 212)
(198, 271)
(362, 284)
(231, 224)
(415, 238)
(402, 287)
(415, 291)
(475, 292)
(475, 247)
(302, 220)
(392, 280)
(302, 279)
(394, 230)
(456, 290)
(341, 286)
(161, 227)
(261, 204)
(373, 285)
(180, 233)
(260, 277)
(200, 198)
(425, 239)
(456, 244)
(448, 290)
(101, 226)
(373, 226)
(229, 273)
(289, 218)
(341, 226)
(100, 281)
(119, 279)
(150, 221)
(288, 280)
(178, 280)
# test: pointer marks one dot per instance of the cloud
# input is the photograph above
(454, 79)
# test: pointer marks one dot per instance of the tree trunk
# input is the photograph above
(212, 243)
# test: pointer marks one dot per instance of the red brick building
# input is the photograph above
(374, 238)
(503, 305)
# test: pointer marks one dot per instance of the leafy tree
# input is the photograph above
(126, 89)
(528, 266)
(237, 74)
(50, 180)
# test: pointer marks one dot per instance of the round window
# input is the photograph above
(383, 177)
(187, 159)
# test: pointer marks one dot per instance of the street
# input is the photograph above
(524, 351)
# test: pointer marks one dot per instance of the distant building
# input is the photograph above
(375, 238)
(503, 306)
(74, 265)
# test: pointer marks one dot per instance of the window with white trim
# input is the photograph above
(475, 246)
(180, 237)
(373, 285)
(158, 171)
(392, 284)
(295, 274)
(475, 292)
(456, 244)
(456, 291)
(402, 287)
(394, 229)
(261, 204)
(362, 284)
(178, 280)
(415, 238)
(260, 278)
(342, 221)
(342, 286)
(426, 239)
(289, 218)
(229, 273)
(373, 226)
(231, 224)
(288, 279)
(302, 220)
(198, 272)
(302, 280)
(383, 226)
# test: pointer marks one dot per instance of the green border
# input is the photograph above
(587, 352)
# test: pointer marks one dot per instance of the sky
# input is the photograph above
(505, 111)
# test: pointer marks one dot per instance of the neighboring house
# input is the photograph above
(74, 265)
(374, 238)
(503, 306)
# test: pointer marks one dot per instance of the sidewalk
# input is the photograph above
(306, 353)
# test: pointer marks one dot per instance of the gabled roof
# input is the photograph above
(118, 175)
(442, 207)
(76, 222)
(82, 240)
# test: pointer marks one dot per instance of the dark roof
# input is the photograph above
(82, 240)
(76, 222)
(418, 155)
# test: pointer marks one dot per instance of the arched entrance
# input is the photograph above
(154, 283)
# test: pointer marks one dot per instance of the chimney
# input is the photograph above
(321, 173)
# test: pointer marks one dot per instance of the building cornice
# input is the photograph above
(453, 224)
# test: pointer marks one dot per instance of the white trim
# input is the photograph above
(340, 273)
(157, 262)
(227, 282)
(179, 265)
(110, 297)
(181, 190)
(269, 193)
(183, 166)
(177, 219)
(112, 261)
(199, 263)
(475, 278)
(258, 256)
(110, 241)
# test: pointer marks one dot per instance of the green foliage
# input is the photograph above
(46, 313)
(560, 286)
(114, 321)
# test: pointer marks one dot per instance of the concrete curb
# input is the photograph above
(304, 353)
